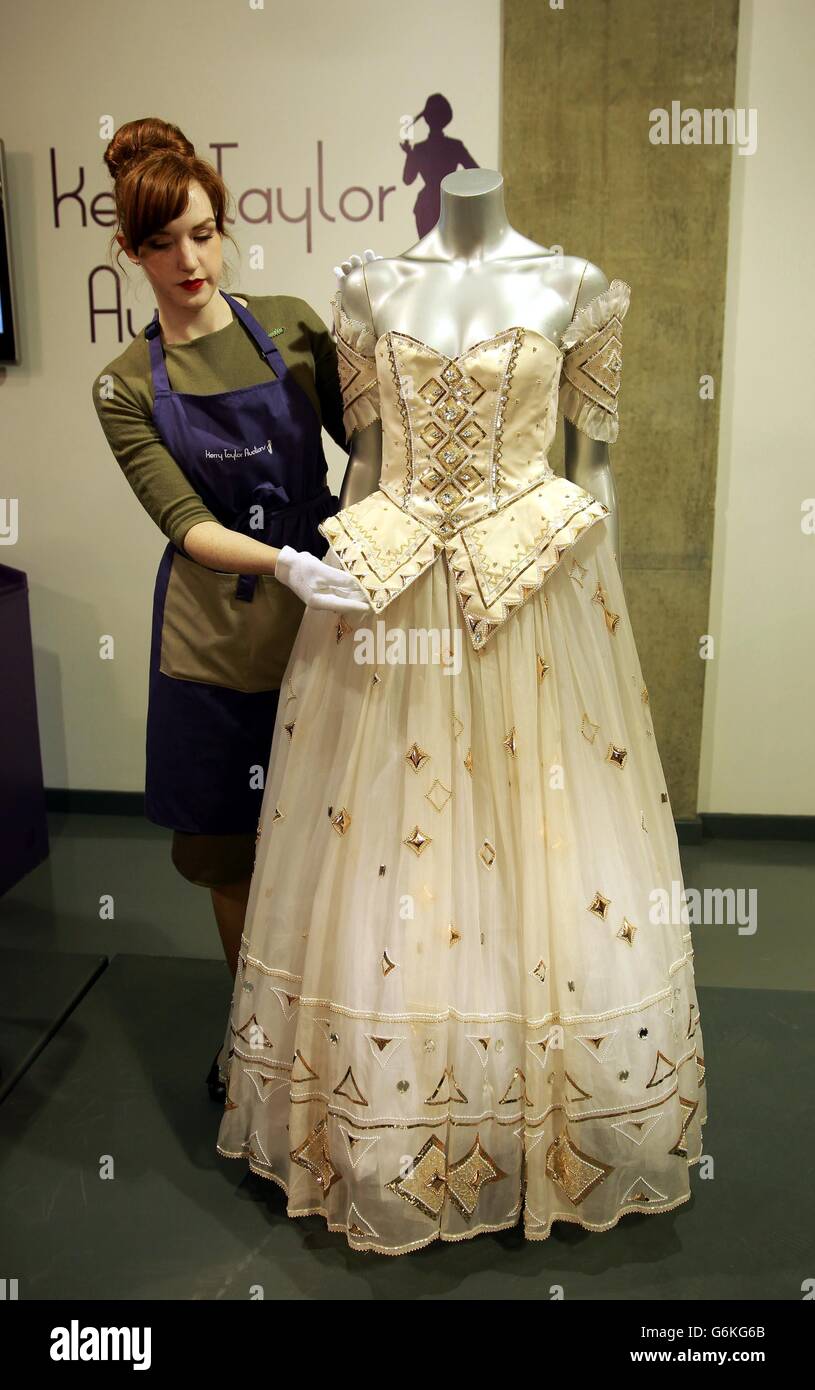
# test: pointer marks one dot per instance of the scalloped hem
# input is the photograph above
(366, 1247)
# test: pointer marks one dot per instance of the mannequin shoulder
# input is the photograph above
(352, 295)
(589, 281)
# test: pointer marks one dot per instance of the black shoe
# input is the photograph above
(215, 1086)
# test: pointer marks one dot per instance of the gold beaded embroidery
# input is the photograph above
(510, 742)
(599, 905)
(627, 931)
(487, 854)
(416, 757)
(341, 821)
(417, 841)
(612, 619)
(442, 795)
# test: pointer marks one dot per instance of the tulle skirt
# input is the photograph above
(465, 996)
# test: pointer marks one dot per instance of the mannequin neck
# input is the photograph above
(473, 224)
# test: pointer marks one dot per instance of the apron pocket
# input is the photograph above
(209, 635)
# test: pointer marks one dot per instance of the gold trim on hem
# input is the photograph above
(368, 1248)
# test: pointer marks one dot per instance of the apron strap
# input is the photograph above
(158, 366)
(261, 337)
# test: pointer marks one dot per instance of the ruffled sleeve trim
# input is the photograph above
(592, 347)
(359, 336)
(596, 312)
(356, 346)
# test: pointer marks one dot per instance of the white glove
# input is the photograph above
(345, 267)
(320, 585)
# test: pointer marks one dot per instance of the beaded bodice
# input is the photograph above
(465, 444)
(462, 436)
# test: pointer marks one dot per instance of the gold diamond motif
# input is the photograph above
(417, 841)
(487, 854)
(433, 434)
(430, 478)
(468, 761)
(450, 497)
(450, 456)
(290, 728)
(417, 757)
(313, 1154)
(543, 667)
(599, 905)
(468, 476)
(424, 1184)
(616, 755)
(587, 725)
(341, 821)
(573, 1170)
(429, 795)
(452, 412)
(432, 391)
(465, 1179)
(471, 433)
(626, 932)
(510, 742)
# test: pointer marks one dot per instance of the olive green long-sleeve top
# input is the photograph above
(221, 361)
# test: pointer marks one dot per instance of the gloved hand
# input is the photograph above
(320, 585)
(345, 267)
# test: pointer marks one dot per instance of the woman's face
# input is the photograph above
(189, 249)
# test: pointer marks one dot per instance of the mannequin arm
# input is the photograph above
(364, 465)
(587, 464)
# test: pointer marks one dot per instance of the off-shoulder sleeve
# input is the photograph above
(356, 346)
(593, 354)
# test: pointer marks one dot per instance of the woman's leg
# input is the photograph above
(229, 902)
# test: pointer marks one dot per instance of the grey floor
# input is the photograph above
(111, 1186)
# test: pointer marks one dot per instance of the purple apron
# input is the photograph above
(252, 454)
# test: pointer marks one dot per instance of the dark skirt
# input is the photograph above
(213, 861)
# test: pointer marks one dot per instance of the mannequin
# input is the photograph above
(471, 276)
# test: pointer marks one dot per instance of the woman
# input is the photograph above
(214, 413)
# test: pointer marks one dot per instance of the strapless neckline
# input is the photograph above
(481, 342)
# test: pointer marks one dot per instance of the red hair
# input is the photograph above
(152, 164)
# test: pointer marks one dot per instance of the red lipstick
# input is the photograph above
(191, 285)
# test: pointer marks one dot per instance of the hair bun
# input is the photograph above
(138, 139)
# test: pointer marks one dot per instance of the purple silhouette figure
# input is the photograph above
(432, 159)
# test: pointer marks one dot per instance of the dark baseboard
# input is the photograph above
(722, 825)
(690, 830)
(94, 803)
